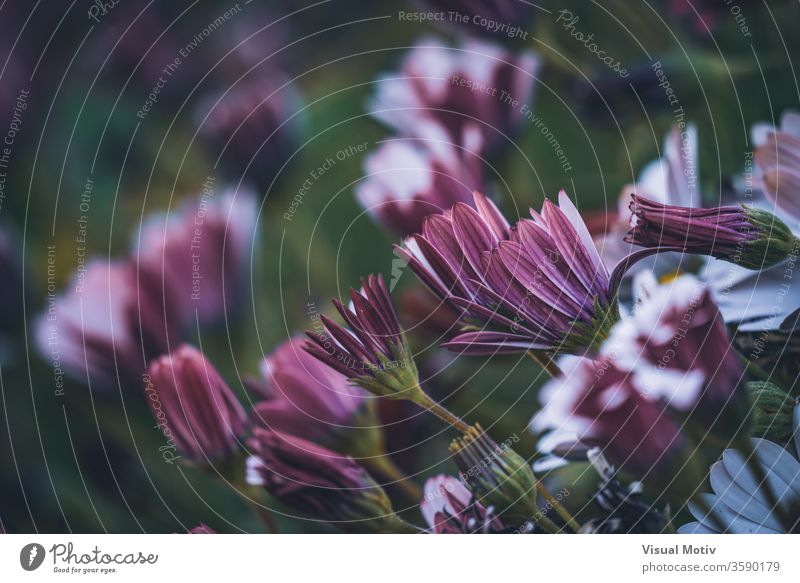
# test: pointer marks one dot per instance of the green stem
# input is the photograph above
(558, 507)
(251, 495)
(384, 465)
(423, 400)
(546, 362)
(549, 525)
(400, 526)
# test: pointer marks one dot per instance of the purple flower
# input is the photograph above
(201, 252)
(671, 179)
(597, 404)
(537, 286)
(750, 237)
(193, 406)
(409, 179)
(777, 157)
(676, 347)
(251, 128)
(449, 508)
(202, 529)
(106, 328)
(372, 352)
(308, 398)
(464, 89)
(188, 267)
(320, 483)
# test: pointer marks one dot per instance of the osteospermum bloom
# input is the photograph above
(596, 404)
(320, 483)
(186, 268)
(672, 179)
(741, 502)
(676, 347)
(408, 179)
(540, 285)
(761, 301)
(193, 405)
(460, 88)
(200, 252)
(747, 236)
(103, 332)
(449, 508)
(307, 398)
(373, 352)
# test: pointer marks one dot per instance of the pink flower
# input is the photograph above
(193, 405)
(106, 328)
(409, 179)
(449, 508)
(597, 404)
(537, 286)
(319, 483)
(676, 347)
(461, 88)
(308, 398)
(187, 268)
(201, 251)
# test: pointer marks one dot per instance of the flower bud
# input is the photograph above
(752, 238)
(772, 412)
(320, 483)
(499, 478)
(193, 405)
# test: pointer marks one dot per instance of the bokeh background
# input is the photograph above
(87, 461)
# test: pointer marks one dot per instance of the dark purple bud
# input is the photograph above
(320, 483)
(193, 406)
(749, 237)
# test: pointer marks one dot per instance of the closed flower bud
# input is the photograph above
(373, 353)
(320, 483)
(752, 238)
(772, 413)
(499, 478)
(193, 405)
